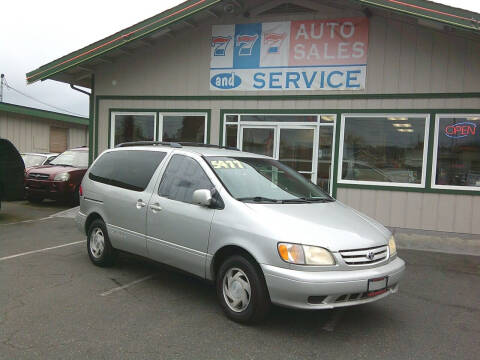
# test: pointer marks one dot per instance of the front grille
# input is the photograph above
(365, 256)
(38, 176)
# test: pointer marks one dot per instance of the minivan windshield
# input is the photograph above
(74, 158)
(252, 179)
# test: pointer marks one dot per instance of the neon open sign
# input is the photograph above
(460, 130)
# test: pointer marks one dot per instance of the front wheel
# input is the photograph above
(100, 250)
(242, 291)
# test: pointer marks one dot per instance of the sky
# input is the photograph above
(33, 33)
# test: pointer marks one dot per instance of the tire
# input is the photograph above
(34, 199)
(234, 298)
(99, 249)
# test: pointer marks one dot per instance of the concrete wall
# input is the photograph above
(31, 134)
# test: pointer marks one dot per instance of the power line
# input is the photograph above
(9, 87)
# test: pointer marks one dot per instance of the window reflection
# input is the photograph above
(383, 149)
(130, 128)
(184, 128)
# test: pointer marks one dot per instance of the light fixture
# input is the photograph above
(407, 125)
(473, 118)
(405, 130)
(328, 118)
(397, 118)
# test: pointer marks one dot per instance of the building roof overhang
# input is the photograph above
(77, 67)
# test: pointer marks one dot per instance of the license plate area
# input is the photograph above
(377, 286)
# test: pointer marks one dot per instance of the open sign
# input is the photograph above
(460, 130)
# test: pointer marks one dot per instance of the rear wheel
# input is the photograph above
(100, 250)
(242, 291)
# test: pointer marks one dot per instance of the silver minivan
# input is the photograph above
(258, 229)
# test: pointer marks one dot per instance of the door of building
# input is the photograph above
(291, 144)
(58, 139)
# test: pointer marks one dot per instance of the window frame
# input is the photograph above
(113, 114)
(433, 184)
(422, 184)
(158, 121)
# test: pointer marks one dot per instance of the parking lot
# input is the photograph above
(56, 304)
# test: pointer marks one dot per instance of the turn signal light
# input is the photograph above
(80, 191)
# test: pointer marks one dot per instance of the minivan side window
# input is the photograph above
(130, 169)
(182, 177)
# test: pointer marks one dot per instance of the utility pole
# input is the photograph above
(2, 77)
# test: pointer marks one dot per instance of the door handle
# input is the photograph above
(155, 207)
(140, 204)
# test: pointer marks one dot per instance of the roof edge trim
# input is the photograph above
(44, 114)
(114, 41)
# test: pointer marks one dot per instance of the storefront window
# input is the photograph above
(458, 151)
(187, 128)
(388, 149)
(133, 127)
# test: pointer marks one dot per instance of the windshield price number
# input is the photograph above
(227, 164)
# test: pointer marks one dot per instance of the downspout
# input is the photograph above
(91, 115)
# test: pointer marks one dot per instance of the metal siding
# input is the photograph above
(402, 57)
(30, 134)
(438, 212)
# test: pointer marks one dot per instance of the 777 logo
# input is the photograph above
(246, 44)
(220, 44)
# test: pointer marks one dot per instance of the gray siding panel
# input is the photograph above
(423, 211)
(30, 134)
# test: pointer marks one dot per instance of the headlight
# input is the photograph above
(305, 255)
(62, 177)
(392, 246)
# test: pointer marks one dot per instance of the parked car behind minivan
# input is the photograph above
(60, 179)
(258, 229)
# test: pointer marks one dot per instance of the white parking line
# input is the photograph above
(41, 250)
(69, 214)
(126, 285)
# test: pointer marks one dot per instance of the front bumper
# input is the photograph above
(55, 190)
(329, 289)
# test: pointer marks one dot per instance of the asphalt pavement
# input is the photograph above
(54, 304)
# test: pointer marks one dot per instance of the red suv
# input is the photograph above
(60, 180)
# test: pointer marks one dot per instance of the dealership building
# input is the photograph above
(376, 101)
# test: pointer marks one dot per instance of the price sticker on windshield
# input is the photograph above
(226, 164)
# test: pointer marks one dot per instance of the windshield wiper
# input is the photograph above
(258, 199)
(298, 200)
(323, 200)
(61, 165)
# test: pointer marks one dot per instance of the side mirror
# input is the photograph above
(202, 197)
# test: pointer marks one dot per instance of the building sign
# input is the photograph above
(460, 130)
(291, 55)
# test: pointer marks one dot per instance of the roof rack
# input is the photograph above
(208, 145)
(149, 143)
(174, 144)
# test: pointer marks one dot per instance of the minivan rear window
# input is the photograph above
(130, 169)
